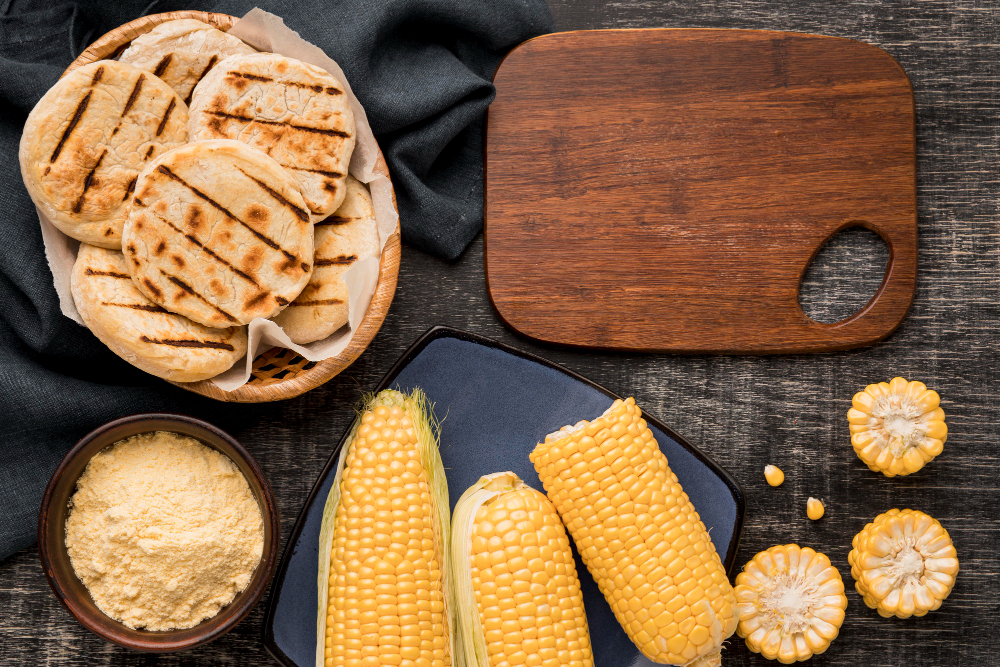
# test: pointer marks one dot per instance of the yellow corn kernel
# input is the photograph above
(791, 603)
(773, 475)
(903, 563)
(384, 569)
(639, 535)
(502, 529)
(815, 509)
(897, 427)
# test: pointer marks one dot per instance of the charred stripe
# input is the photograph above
(97, 75)
(328, 174)
(162, 66)
(211, 253)
(337, 220)
(80, 108)
(148, 307)
(135, 93)
(339, 260)
(166, 115)
(301, 214)
(87, 182)
(304, 128)
(111, 274)
(318, 302)
(190, 290)
(213, 344)
(211, 63)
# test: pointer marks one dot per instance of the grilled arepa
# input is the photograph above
(341, 240)
(181, 52)
(218, 232)
(295, 112)
(88, 138)
(142, 333)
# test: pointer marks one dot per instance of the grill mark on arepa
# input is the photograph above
(135, 94)
(211, 63)
(110, 274)
(317, 302)
(339, 260)
(315, 87)
(214, 344)
(97, 75)
(165, 170)
(337, 220)
(166, 115)
(329, 174)
(301, 214)
(305, 128)
(190, 290)
(80, 108)
(162, 66)
(211, 253)
(253, 301)
(148, 307)
(131, 188)
(87, 182)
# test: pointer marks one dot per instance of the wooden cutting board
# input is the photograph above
(665, 190)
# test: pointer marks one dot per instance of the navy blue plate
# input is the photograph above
(495, 404)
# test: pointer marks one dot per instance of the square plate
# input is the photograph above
(494, 403)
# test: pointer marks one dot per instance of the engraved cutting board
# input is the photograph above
(665, 189)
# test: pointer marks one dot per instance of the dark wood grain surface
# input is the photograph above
(744, 411)
(682, 180)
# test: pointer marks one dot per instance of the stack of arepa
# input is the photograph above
(208, 184)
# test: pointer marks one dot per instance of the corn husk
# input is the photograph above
(421, 413)
(470, 639)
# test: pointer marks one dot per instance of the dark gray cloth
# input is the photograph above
(421, 69)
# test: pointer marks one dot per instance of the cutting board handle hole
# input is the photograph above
(843, 275)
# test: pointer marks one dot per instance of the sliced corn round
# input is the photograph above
(903, 563)
(773, 475)
(791, 603)
(517, 593)
(897, 427)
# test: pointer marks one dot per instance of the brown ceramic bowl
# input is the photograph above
(71, 591)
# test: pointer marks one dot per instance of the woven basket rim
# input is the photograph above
(110, 45)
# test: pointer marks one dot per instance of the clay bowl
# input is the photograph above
(71, 591)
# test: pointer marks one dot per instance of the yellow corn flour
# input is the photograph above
(163, 531)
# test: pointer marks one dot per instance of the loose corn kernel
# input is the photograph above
(897, 427)
(815, 509)
(639, 534)
(503, 526)
(387, 574)
(773, 475)
(791, 603)
(903, 563)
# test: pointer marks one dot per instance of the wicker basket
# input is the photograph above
(279, 373)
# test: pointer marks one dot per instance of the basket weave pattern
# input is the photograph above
(278, 373)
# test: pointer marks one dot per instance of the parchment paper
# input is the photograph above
(267, 32)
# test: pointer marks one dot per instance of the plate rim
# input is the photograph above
(432, 334)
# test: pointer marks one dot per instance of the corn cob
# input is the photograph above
(384, 576)
(640, 536)
(897, 427)
(791, 603)
(903, 563)
(517, 594)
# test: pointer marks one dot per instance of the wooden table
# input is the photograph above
(744, 411)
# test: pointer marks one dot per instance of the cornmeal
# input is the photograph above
(163, 531)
